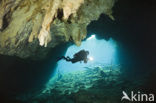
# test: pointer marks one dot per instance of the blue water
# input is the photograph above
(102, 53)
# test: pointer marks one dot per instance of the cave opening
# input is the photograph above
(101, 52)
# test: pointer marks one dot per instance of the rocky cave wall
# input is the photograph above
(30, 28)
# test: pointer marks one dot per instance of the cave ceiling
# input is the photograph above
(30, 28)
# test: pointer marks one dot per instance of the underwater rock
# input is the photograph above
(27, 25)
(84, 87)
(80, 86)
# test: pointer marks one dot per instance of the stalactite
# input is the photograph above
(51, 22)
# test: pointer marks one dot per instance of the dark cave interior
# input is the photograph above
(133, 29)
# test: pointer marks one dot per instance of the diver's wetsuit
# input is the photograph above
(80, 56)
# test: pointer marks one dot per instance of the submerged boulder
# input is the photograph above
(27, 25)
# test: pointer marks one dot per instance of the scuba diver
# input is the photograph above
(78, 57)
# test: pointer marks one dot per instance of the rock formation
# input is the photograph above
(29, 28)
